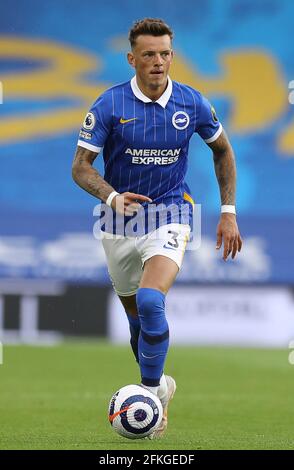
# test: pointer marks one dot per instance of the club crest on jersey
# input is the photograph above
(89, 122)
(180, 120)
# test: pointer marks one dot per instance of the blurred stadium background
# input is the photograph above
(55, 60)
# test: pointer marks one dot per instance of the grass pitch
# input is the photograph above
(57, 398)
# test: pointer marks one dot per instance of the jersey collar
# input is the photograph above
(163, 100)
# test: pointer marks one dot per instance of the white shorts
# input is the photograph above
(126, 255)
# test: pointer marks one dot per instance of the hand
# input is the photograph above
(126, 203)
(228, 233)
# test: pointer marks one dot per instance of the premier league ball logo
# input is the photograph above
(134, 412)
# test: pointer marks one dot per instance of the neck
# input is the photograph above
(154, 93)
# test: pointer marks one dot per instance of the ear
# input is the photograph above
(131, 59)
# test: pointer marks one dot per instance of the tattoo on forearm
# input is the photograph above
(88, 177)
(225, 169)
(226, 175)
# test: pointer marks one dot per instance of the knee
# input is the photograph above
(149, 301)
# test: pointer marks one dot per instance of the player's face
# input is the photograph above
(152, 57)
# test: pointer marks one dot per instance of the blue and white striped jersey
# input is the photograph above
(145, 143)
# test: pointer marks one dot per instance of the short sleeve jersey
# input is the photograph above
(145, 143)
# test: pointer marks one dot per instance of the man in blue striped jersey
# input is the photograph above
(144, 127)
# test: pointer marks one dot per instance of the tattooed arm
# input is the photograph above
(225, 170)
(89, 179)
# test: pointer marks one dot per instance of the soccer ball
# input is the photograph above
(134, 412)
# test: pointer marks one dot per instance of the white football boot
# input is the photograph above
(165, 393)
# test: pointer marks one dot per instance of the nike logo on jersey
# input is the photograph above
(112, 417)
(124, 121)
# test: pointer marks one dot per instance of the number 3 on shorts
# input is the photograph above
(173, 242)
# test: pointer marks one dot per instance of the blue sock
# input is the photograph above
(154, 335)
(135, 327)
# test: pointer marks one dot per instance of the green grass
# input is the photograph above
(57, 398)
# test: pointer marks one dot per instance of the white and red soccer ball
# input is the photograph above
(134, 412)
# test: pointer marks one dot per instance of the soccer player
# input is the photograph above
(144, 126)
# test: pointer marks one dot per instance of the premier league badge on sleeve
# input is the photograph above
(89, 122)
